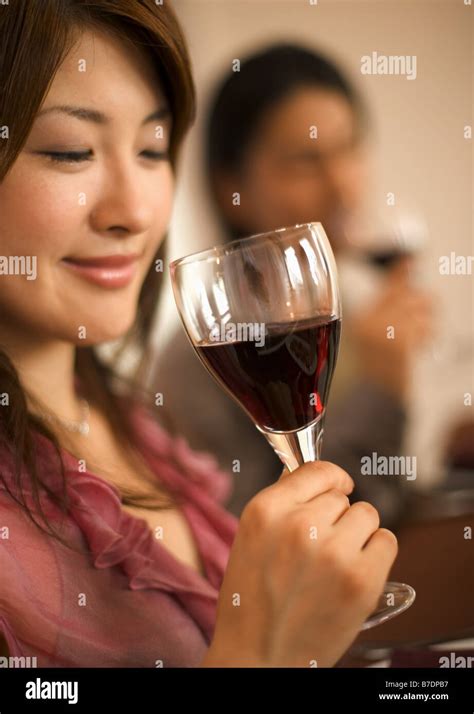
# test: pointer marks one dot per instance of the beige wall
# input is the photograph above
(419, 148)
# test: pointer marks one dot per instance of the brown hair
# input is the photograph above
(35, 37)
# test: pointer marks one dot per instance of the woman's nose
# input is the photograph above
(124, 204)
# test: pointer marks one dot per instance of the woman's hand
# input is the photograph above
(305, 570)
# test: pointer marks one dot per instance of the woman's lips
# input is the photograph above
(111, 271)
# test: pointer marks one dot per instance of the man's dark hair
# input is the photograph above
(243, 98)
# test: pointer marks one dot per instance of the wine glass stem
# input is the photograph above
(297, 447)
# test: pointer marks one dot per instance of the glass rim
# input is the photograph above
(220, 250)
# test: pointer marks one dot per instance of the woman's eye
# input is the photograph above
(75, 157)
(156, 155)
(68, 156)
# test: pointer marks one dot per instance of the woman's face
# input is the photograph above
(89, 197)
(294, 174)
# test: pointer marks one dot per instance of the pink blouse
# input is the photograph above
(123, 600)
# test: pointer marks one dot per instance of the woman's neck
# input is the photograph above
(46, 371)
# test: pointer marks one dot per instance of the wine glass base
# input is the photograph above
(395, 599)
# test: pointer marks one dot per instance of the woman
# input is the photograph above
(114, 549)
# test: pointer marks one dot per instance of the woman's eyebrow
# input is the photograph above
(98, 117)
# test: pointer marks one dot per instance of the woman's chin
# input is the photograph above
(97, 333)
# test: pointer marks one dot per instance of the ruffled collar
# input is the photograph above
(117, 538)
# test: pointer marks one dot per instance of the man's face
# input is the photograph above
(305, 163)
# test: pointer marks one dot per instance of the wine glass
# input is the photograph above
(264, 316)
(386, 239)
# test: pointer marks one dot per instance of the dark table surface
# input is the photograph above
(436, 557)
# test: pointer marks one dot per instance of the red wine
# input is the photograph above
(284, 383)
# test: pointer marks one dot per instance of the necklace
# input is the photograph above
(78, 427)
